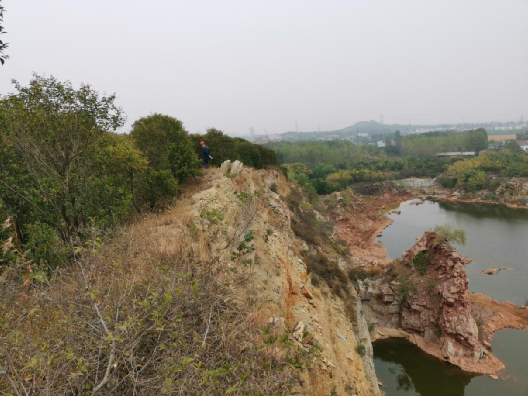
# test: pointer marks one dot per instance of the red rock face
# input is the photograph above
(446, 307)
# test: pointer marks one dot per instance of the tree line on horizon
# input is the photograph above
(321, 167)
(65, 172)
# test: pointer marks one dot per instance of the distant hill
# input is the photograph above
(370, 127)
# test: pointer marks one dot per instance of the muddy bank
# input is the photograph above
(363, 218)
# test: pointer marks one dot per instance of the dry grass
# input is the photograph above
(151, 313)
(500, 138)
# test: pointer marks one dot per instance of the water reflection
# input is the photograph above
(485, 211)
(404, 369)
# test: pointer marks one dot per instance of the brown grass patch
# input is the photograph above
(151, 313)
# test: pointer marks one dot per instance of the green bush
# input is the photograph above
(46, 249)
(406, 287)
(315, 281)
(224, 148)
(421, 262)
(357, 273)
(450, 234)
(161, 187)
(328, 271)
(360, 349)
(166, 145)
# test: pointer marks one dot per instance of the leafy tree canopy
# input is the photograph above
(3, 46)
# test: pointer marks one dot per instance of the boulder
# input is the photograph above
(225, 167)
(236, 167)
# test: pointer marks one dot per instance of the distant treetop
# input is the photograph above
(3, 45)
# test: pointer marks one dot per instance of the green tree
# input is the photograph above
(476, 181)
(513, 146)
(167, 146)
(222, 146)
(3, 46)
(249, 153)
(53, 130)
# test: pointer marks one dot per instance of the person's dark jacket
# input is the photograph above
(206, 152)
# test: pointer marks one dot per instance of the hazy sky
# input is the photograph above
(267, 64)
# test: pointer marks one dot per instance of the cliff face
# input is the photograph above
(446, 302)
(253, 203)
(429, 304)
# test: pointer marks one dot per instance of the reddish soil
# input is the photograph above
(363, 222)
(498, 315)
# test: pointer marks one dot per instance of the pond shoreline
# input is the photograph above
(499, 315)
(445, 198)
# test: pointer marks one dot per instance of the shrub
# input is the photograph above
(340, 246)
(161, 187)
(330, 272)
(421, 261)
(213, 216)
(46, 249)
(224, 148)
(406, 288)
(491, 196)
(357, 273)
(360, 349)
(450, 234)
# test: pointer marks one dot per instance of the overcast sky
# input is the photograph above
(270, 64)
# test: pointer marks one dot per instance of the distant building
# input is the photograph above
(457, 153)
(380, 143)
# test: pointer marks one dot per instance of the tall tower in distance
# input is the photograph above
(381, 119)
(251, 133)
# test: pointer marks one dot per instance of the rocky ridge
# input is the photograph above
(251, 203)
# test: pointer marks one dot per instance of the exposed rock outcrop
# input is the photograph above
(233, 168)
(430, 306)
(281, 285)
(446, 267)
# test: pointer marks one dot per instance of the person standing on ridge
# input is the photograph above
(206, 154)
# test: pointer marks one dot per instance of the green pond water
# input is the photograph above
(496, 237)
(404, 369)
